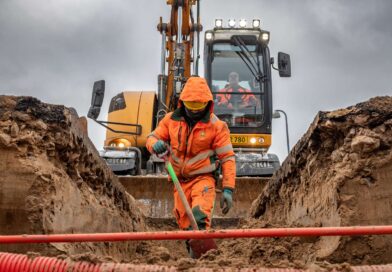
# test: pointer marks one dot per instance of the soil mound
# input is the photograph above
(338, 174)
(52, 180)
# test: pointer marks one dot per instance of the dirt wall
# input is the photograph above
(338, 174)
(52, 180)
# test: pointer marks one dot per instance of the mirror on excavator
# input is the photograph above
(284, 64)
(96, 99)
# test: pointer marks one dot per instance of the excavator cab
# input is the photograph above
(238, 70)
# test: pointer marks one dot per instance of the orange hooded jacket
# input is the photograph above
(224, 99)
(194, 152)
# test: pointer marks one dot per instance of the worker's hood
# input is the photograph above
(196, 89)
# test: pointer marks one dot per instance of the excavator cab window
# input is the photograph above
(237, 100)
(117, 103)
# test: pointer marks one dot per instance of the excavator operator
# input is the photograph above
(235, 101)
(198, 143)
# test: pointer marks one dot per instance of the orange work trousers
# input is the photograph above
(200, 193)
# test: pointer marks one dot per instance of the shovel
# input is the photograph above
(199, 247)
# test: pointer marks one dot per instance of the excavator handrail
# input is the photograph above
(138, 127)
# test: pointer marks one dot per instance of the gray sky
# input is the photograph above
(55, 49)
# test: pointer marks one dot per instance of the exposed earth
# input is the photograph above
(52, 180)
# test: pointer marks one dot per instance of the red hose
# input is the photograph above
(184, 235)
(22, 263)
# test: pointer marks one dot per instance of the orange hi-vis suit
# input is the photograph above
(195, 154)
(224, 99)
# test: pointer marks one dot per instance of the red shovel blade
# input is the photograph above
(201, 246)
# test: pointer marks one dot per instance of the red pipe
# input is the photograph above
(10, 262)
(184, 235)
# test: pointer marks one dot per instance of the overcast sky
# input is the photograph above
(54, 50)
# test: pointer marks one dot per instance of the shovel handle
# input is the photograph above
(184, 201)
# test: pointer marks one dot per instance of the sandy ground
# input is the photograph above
(338, 174)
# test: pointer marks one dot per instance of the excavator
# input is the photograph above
(239, 48)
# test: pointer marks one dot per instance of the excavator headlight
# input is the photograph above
(255, 140)
(218, 23)
(242, 23)
(265, 36)
(231, 23)
(209, 36)
(121, 145)
(256, 23)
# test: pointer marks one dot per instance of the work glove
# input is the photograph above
(226, 201)
(159, 147)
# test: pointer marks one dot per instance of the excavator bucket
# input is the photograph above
(154, 194)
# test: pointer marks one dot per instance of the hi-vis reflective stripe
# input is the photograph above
(174, 157)
(152, 134)
(214, 119)
(201, 156)
(224, 149)
(228, 159)
(207, 169)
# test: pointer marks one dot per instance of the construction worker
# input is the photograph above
(235, 101)
(197, 142)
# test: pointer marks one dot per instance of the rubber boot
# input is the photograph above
(189, 249)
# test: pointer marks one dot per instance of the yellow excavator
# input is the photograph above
(239, 48)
